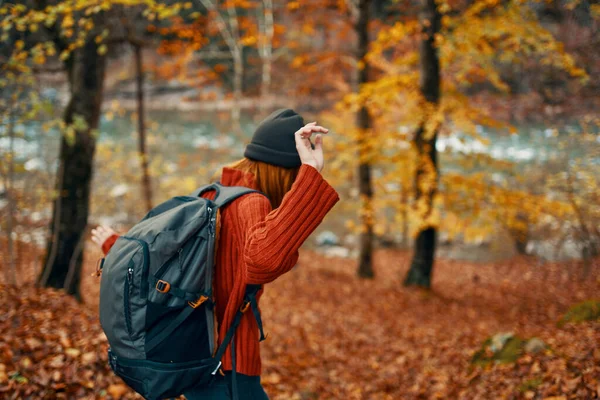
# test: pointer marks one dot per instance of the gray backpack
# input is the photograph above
(156, 298)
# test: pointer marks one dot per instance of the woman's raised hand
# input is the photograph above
(101, 233)
(308, 155)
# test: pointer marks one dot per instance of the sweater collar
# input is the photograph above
(235, 177)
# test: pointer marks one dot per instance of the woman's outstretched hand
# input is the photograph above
(308, 155)
(101, 233)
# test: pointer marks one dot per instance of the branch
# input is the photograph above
(208, 55)
(233, 23)
(266, 27)
(222, 25)
(353, 7)
(49, 70)
(280, 52)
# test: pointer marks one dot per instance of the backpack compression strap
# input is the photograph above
(249, 302)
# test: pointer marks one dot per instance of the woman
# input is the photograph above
(259, 236)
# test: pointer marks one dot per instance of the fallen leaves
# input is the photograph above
(333, 336)
(117, 390)
(3, 375)
(332, 333)
(51, 347)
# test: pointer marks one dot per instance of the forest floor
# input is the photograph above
(333, 336)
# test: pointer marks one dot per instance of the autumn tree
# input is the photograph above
(76, 31)
(85, 68)
(331, 42)
(425, 145)
(414, 100)
(364, 124)
(225, 17)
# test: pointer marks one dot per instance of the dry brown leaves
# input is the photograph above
(333, 336)
(52, 347)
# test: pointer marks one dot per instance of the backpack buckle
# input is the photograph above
(163, 286)
(197, 303)
(245, 306)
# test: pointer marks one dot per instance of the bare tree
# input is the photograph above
(143, 153)
(227, 23)
(265, 49)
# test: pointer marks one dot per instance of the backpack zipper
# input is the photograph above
(145, 270)
(211, 222)
(127, 309)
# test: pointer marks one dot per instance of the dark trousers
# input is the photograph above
(248, 388)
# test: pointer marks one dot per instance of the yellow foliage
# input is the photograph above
(473, 43)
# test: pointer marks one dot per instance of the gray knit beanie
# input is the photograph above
(273, 141)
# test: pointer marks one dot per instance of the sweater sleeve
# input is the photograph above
(108, 243)
(271, 239)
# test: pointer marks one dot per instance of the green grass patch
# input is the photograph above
(509, 353)
(530, 384)
(586, 311)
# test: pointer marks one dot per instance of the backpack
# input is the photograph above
(156, 298)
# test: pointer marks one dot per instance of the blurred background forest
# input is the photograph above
(463, 259)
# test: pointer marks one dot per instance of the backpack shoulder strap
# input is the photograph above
(202, 189)
(225, 194)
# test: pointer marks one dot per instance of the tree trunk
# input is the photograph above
(363, 121)
(520, 234)
(139, 75)
(424, 144)
(238, 75)
(585, 236)
(267, 53)
(404, 213)
(64, 254)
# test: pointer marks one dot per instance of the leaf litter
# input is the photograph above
(334, 336)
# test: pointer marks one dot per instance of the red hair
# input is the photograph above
(272, 180)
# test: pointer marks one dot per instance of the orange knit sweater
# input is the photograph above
(257, 245)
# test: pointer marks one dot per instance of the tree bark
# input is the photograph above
(519, 234)
(238, 68)
(231, 34)
(139, 75)
(364, 123)
(238, 74)
(64, 254)
(404, 203)
(424, 143)
(266, 53)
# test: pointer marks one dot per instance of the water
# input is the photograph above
(206, 138)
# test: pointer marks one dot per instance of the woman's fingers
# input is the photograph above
(303, 146)
(318, 152)
(319, 143)
(307, 154)
(307, 130)
(101, 233)
(107, 230)
(302, 143)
